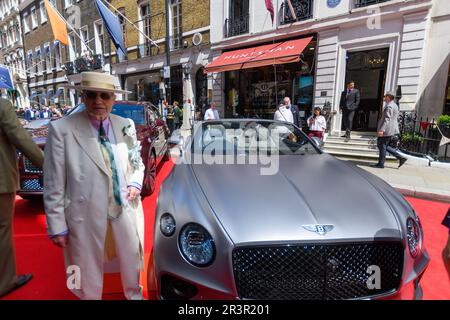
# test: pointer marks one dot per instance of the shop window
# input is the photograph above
(256, 92)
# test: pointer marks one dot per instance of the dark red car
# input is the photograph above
(152, 132)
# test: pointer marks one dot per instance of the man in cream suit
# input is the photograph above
(93, 174)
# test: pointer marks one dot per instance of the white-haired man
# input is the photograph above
(92, 182)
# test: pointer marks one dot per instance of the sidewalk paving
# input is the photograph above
(429, 183)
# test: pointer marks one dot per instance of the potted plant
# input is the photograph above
(443, 122)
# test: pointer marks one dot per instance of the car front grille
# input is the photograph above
(29, 167)
(317, 271)
(31, 185)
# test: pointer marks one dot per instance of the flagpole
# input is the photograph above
(71, 27)
(134, 25)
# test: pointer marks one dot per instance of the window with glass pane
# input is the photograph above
(57, 51)
(48, 58)
(100, 41)
(123, 25)
(146, 25)
(175, 6)
(238, 18)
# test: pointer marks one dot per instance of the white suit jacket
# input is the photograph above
(76, 188)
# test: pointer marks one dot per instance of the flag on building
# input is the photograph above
(112, 24)
(269, 7)
(5, 78)
(58, 24)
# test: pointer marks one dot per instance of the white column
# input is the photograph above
(187, 94)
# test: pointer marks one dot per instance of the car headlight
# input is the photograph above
(197, 245)
(413, 235)
(167, 224)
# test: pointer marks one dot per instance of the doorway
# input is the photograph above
(368, 70)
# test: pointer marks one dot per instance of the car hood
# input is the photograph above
(307, 190)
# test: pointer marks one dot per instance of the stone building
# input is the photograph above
(12, 51)
(43, 55)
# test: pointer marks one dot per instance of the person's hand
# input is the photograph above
(133, 193)
(61, 241)
(380, 134)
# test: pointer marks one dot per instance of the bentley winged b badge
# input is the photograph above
(321, 229)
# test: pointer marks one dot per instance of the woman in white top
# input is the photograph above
(317, 124)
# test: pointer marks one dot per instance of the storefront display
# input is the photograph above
(256, 92)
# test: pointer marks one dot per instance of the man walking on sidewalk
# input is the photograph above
(349, 103)
(387, 129)
(12, 136)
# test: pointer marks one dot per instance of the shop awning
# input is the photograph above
(270, 54)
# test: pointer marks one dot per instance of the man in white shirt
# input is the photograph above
(212, 113)
(283, 114)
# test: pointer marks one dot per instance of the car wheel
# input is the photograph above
(150, 174)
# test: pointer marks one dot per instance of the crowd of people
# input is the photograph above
(31, 113)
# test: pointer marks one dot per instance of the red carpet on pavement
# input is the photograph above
(36, 254)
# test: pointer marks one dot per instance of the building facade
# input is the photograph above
(89, 43)
(12, 51)
(142, 70)
(43, 55)
(382, 45)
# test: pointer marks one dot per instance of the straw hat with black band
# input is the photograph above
(96, 81)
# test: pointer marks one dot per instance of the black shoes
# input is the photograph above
(402, 162)
(21, 280)
(377, 165)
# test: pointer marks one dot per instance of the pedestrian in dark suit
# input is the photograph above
(294, 110)
(387, 129)
(350, 99)
(12, 136)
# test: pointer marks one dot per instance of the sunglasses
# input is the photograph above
(93, 95)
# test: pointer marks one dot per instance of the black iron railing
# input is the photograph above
(301, 10)
(236, 26)
(365, 3)
(421, 136)
(84, 64)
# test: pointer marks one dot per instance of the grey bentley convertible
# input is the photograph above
(253, 209)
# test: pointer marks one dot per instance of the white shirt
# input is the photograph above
(211, 114)
(284, 114)
(319, 123)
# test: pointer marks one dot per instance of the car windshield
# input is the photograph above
(134, 112)
(248, 137)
